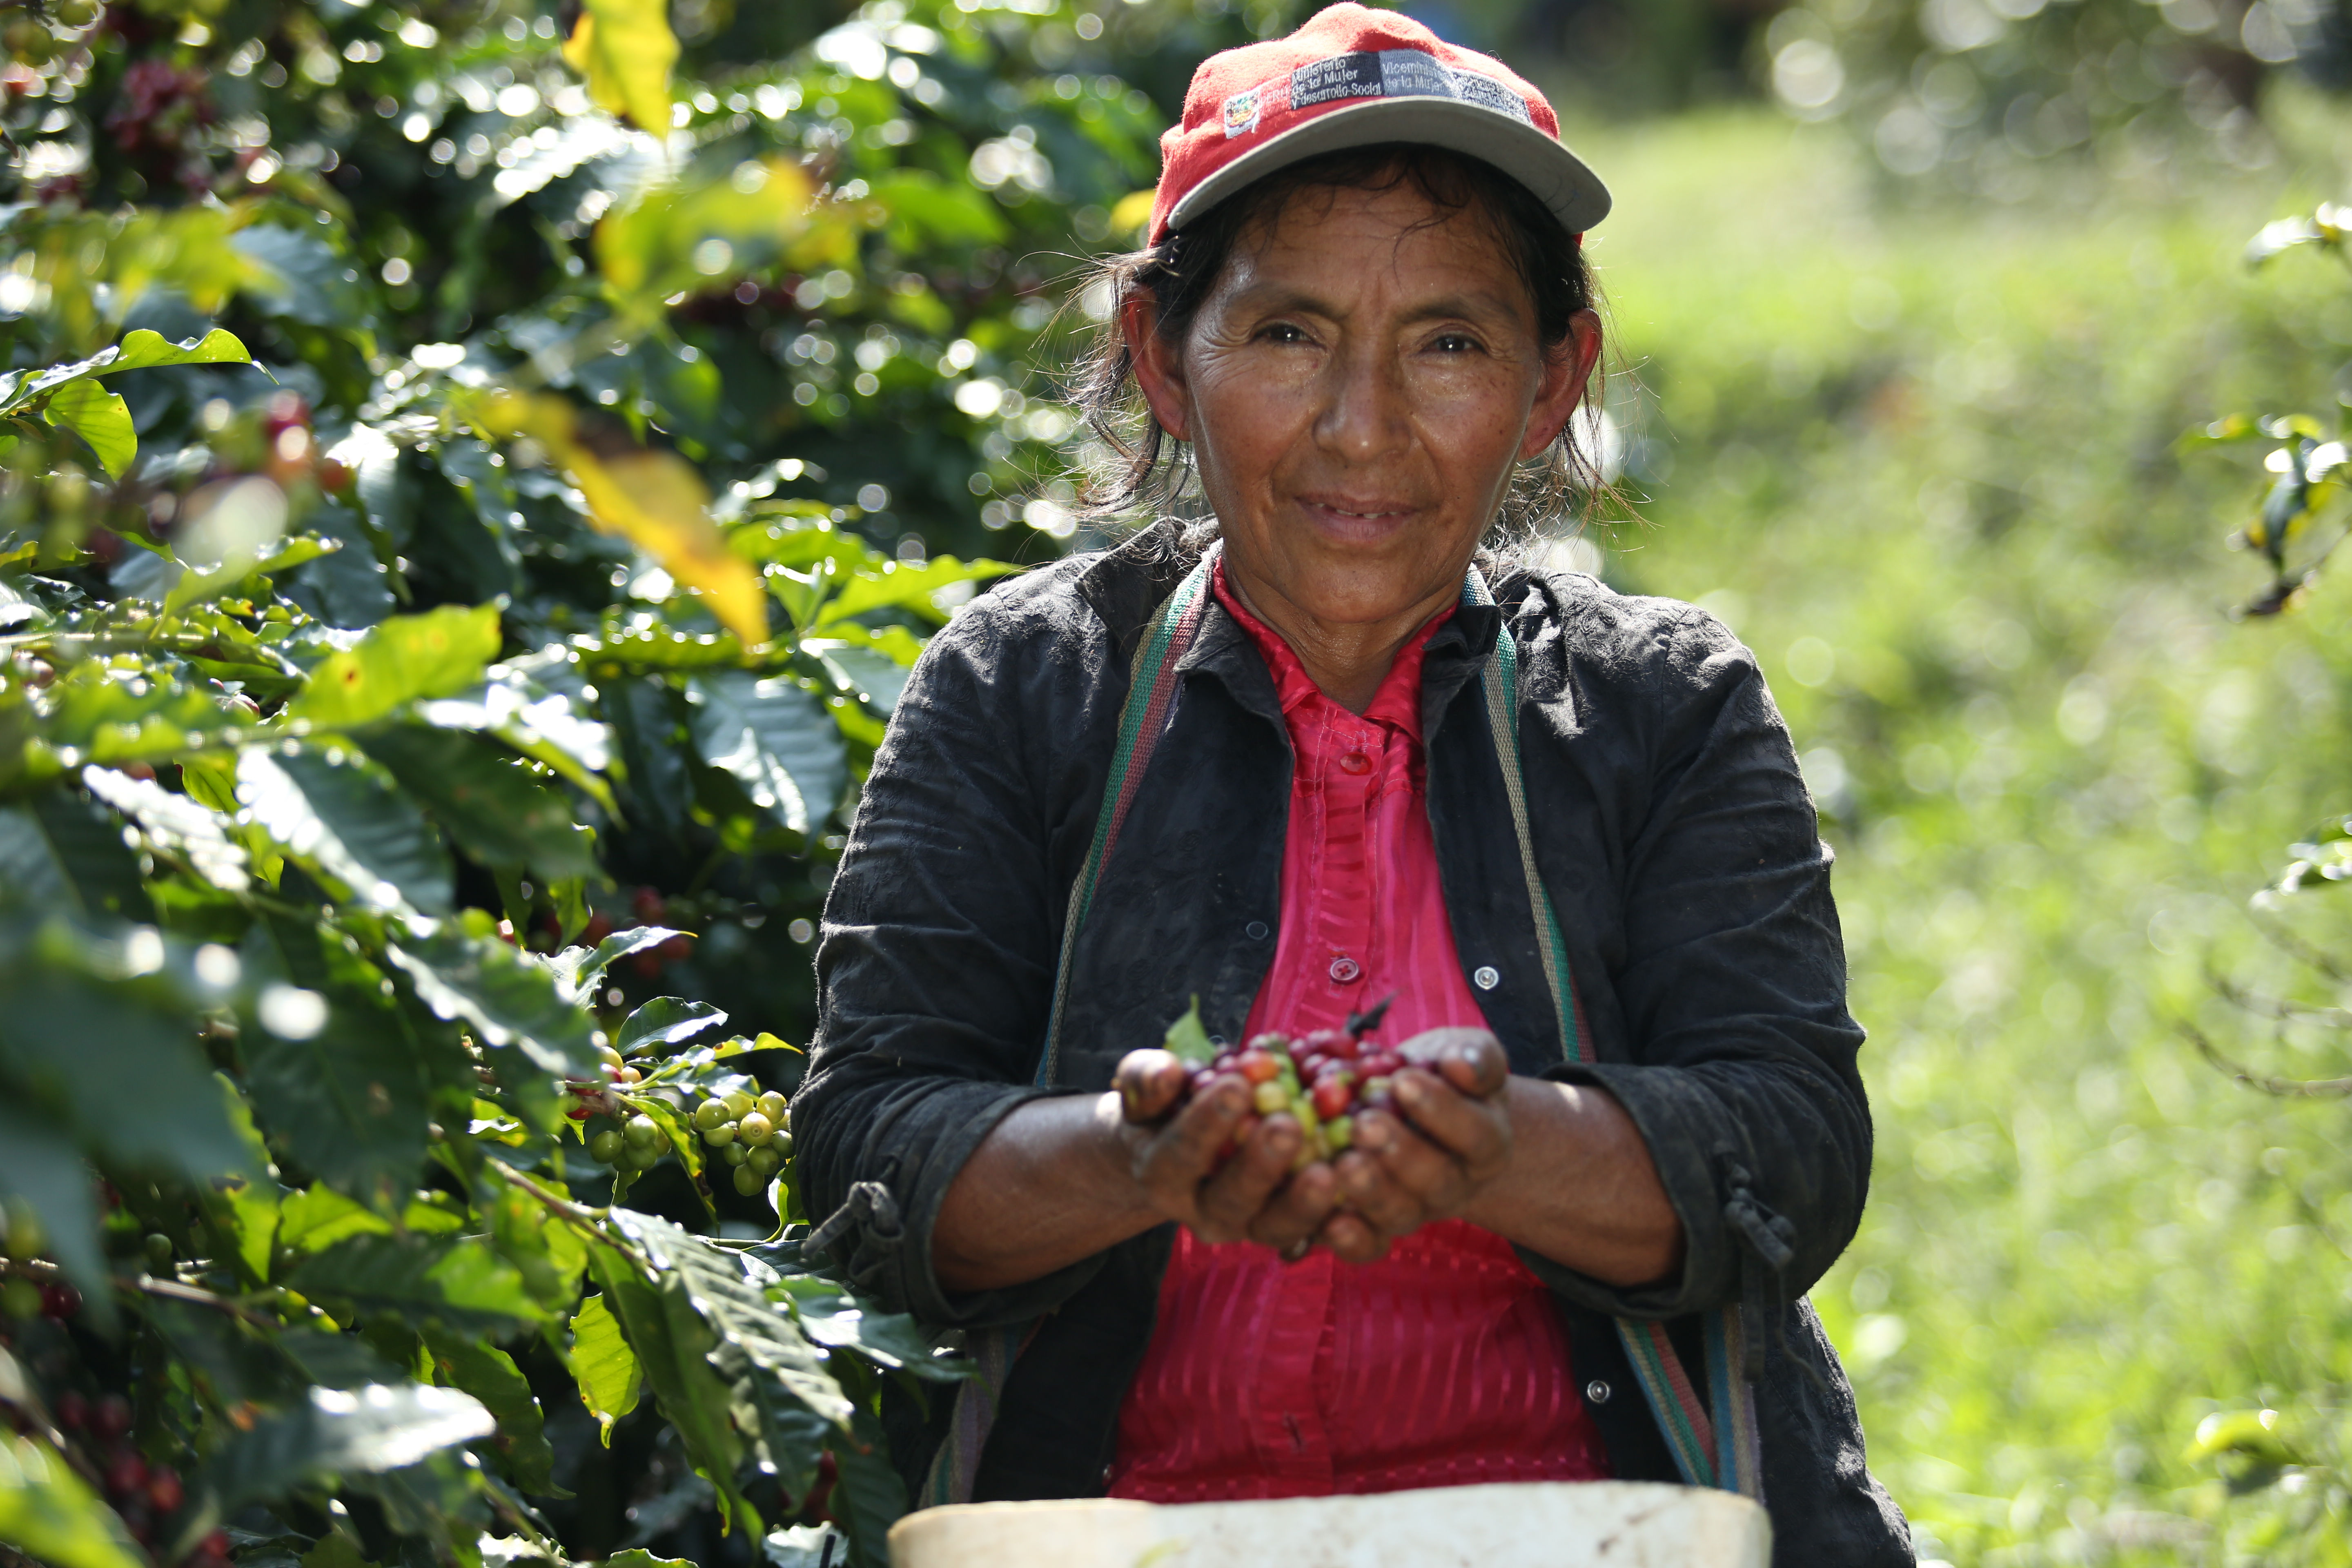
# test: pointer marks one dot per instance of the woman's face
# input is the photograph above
(1357, 388)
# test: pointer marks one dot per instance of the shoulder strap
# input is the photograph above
(1151, 684)
(1711, 1448)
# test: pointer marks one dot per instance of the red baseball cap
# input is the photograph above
(1349, 77)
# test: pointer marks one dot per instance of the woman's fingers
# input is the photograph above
(1473, 1128)
(1149, 1083)
(1297, 1210)
(1224, 1205)
(1472, 1060)
(1352, 1239)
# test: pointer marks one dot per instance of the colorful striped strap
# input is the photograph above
(1708, 1452)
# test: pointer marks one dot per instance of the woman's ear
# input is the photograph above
(1158, 367)
(1568, 371)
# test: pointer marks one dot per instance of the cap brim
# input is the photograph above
(1555, 176)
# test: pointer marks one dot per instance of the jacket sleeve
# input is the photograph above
(935, 965)
(1729, 979)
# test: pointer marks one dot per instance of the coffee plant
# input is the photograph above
(473, 476)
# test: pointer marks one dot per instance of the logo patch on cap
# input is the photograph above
(1396, 73)
(1241, 113)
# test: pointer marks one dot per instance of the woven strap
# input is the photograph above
(1712, 1446)
(1151, 684)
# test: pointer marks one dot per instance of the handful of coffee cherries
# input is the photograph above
(1323, 1079)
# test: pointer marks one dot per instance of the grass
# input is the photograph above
(1921, 459)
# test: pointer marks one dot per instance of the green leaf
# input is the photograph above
(1188, 1040)
(779, 1388)
(481, 797)
(603, 1365)
(833, 1317)
(199, 586)
(99, 416)
(638, 1557)
(41, 1168)
(67, 853)
(437, 654)
(77, 1038)
(776, 738)
(346, 826)
(175, 826)
(348, 1098)
(302, 278)
(868, 1497)
(671, 1344)
(899, 585)
(462, 971)
(46, 1513)
(489, 1375)
(143, 348)
(665, 1021)
(581, 967)
(318, 1217)
(337, 1361)
(461, 1281)
(339, 1431)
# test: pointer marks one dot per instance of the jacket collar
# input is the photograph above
(1126, 584)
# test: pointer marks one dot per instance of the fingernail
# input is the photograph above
(1409, 1091)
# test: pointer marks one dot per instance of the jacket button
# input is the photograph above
(1486, 978)
(1356, 762)
(1255, 931)
(1597, 1392)
(1346, 970)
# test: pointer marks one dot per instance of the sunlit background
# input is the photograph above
(1930, 319)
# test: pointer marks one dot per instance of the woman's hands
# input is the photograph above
(1180, 1159)
(1448, 1138)
(1558, 1168)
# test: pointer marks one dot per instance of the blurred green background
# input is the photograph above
(1912, 302)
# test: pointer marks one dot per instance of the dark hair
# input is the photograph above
(1149, 469)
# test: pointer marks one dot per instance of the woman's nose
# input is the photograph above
(1365, 414)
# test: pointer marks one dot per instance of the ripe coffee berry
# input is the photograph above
(1321, 1079)
(111, 1419)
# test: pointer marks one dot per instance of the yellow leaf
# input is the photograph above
(656, 500)
(624, 48)
(1133, 211)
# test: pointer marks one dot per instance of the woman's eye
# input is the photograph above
(1283, 332)
(1457, 343)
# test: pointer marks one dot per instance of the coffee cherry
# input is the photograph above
(20, 1300)
(783, 1144)
(1270, 1096)
(641, 1132)
(747, 1181)
(740, 1105)
(1339, 1132)
(767, 1161)
(637, 1158)
(73, 1411)
(1332, 1096)
(710, 1114)
(772, 1106)
(1257, 1066)
(606, 1146)
(126, 1473)
(608, 1056)
(720, 1136)
(755, 1129)
(165, 1492)
(735, 1153)
(159, 1250)
(60, 1301)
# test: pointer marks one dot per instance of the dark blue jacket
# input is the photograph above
(1671, 828)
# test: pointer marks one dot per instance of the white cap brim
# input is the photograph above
(1555, 176)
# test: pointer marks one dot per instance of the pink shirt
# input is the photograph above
(1442, 1365)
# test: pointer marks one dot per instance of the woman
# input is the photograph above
(1295, 758)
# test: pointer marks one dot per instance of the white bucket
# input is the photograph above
(1543, 1524)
